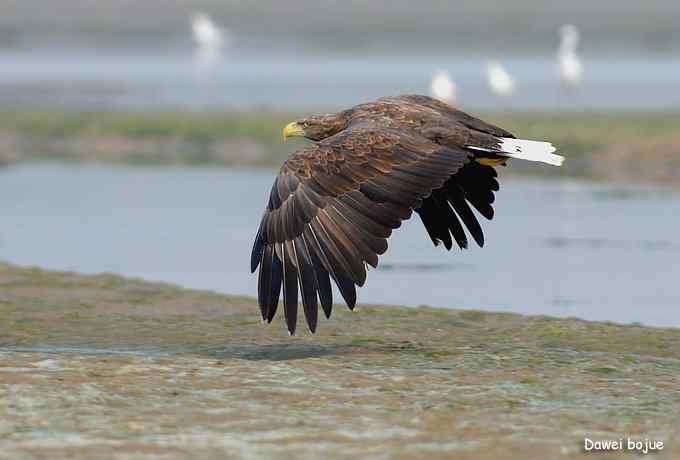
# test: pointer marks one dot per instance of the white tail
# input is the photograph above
(526, 150)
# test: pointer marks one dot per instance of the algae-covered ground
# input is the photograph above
(107, 367)
(627, 147)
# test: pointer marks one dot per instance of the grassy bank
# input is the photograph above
(103, 366)
(142, 138)
(630, 147)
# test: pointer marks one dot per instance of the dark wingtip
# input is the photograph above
(326, 303)
(347, 290)
(479, 239)
(271, 312)
(256, 255)
(311, 317)
(291, 324)
(291, 319)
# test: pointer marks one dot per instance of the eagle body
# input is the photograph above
(335, 203)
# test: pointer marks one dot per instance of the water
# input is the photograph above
(556, 247)
(253, 79)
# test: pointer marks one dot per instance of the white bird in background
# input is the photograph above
(206, 32)
(443, 88)
(209, 38)
(500, 81)
(568, 63)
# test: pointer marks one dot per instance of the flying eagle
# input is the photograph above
(335, 202)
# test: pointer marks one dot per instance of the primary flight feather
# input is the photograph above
(335, 203)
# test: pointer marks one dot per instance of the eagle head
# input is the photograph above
(316, 127)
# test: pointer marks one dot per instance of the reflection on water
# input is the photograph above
(555, 247)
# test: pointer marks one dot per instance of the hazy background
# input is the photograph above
(317, 54)
(612, 26)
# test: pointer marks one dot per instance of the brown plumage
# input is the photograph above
(335, 203)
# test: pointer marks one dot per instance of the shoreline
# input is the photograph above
(251, 301)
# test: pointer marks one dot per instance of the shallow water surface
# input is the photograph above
(556, 247)
(162, 79)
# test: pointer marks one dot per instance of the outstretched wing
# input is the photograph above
(332, 208)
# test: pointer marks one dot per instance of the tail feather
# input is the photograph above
(526, 150)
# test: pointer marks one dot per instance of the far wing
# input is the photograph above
(331, 210)
(455, 115)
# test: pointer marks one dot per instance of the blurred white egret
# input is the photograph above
(209, 38)
(500, 81)
(568, 62)
(206, 32)
(442, 87)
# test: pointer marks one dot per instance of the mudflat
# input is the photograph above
(102, 366)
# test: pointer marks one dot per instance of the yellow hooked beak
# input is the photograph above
(292, 129)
